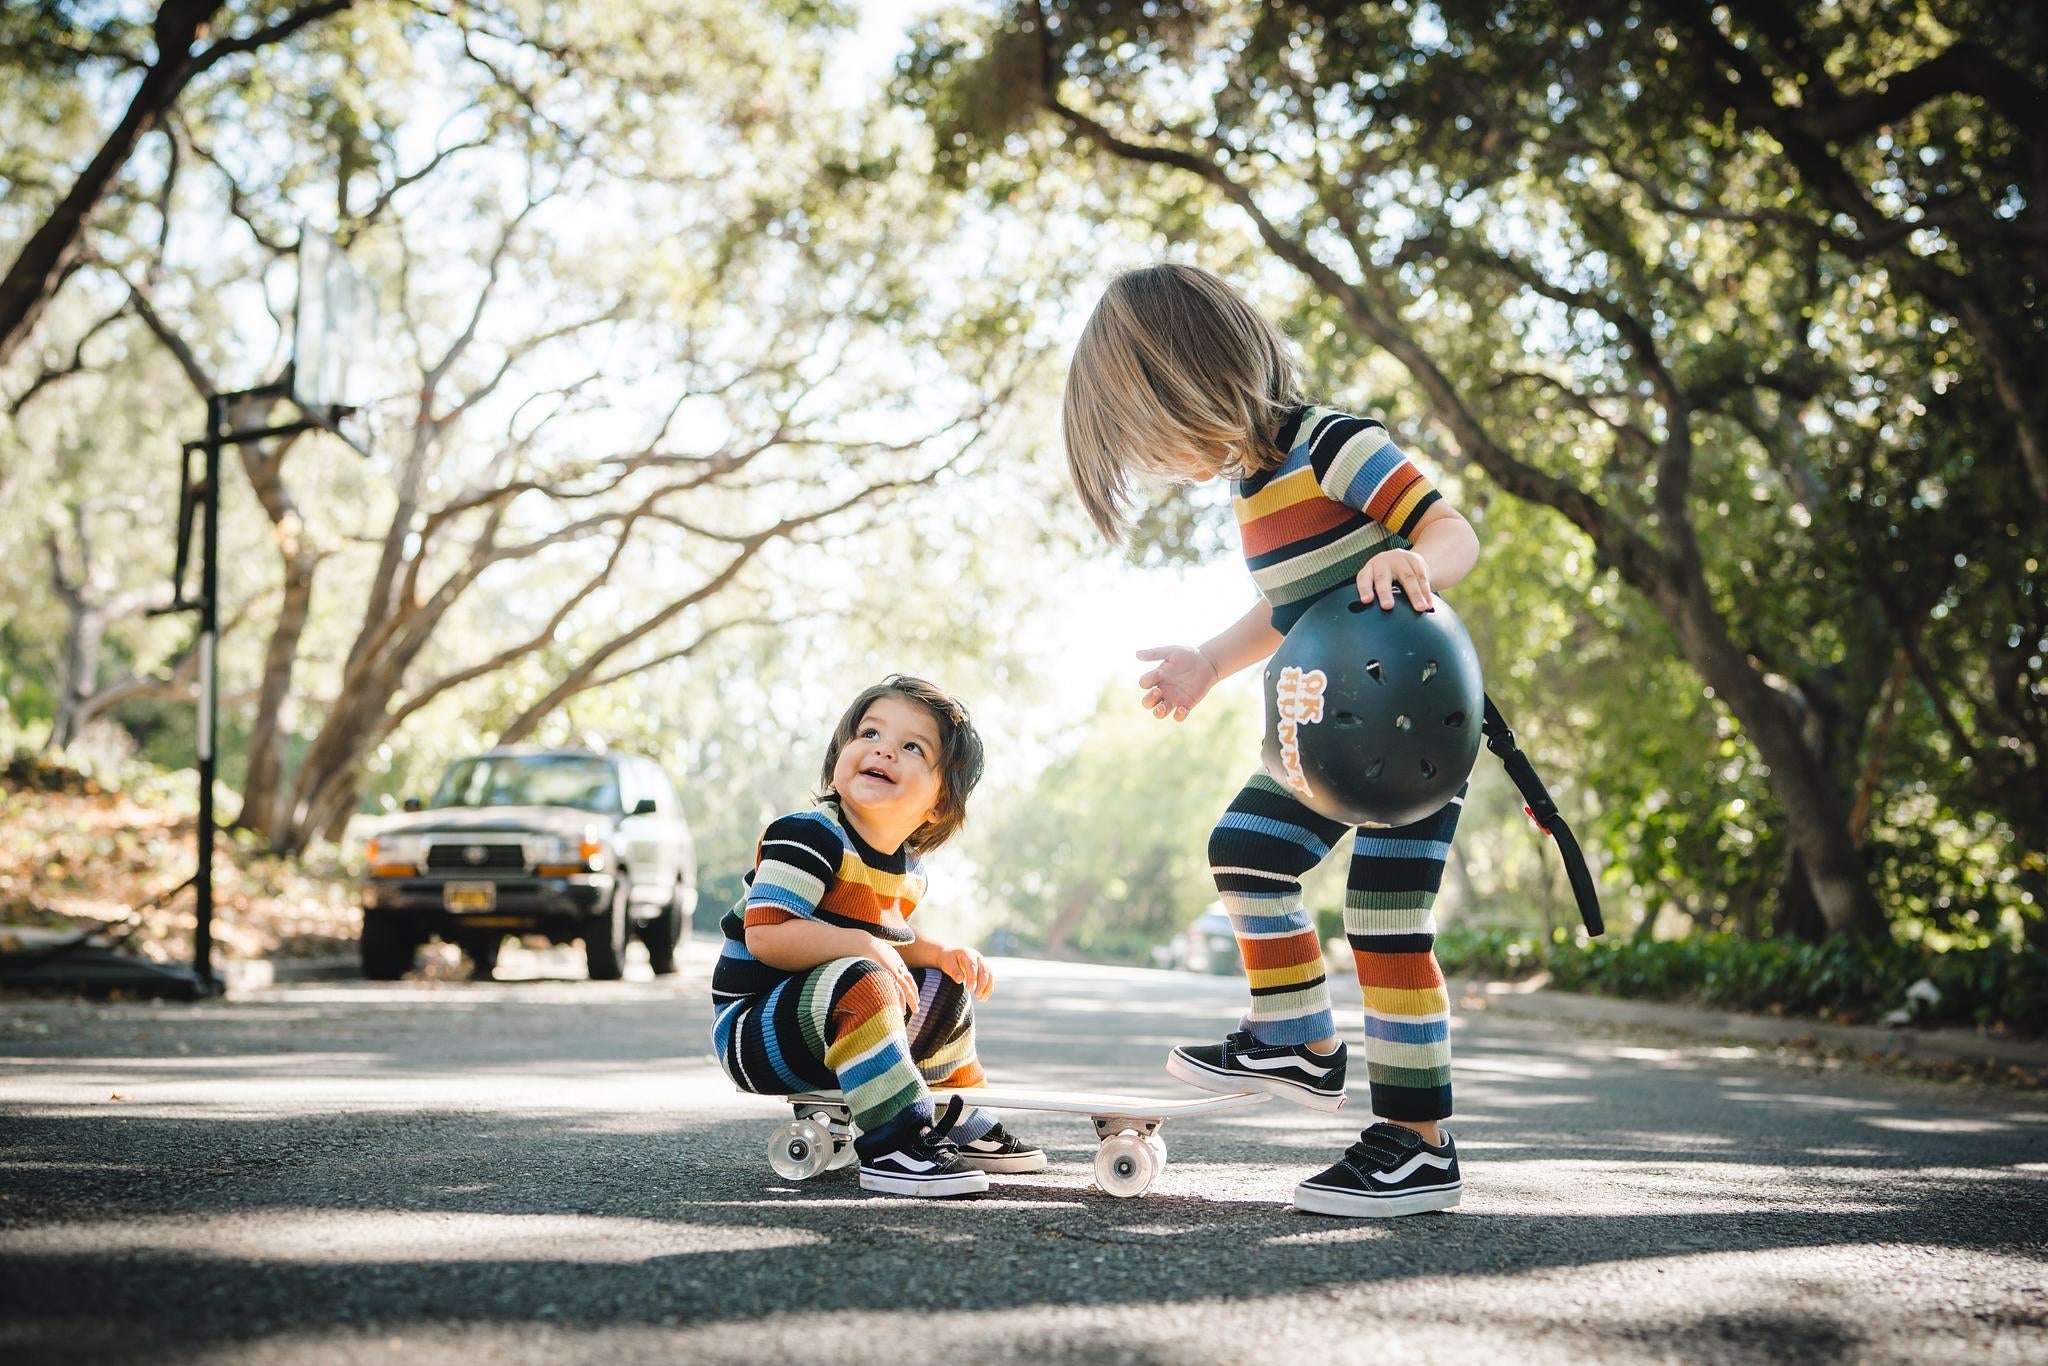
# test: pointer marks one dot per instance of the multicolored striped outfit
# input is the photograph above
(1344, 493)
(842, 1023)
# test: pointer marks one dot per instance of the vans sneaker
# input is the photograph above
(1389, 1171)
(923, 1162)
(1242, 1063)
(999, 1152)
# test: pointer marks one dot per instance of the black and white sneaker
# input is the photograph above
(1000, 1152)
(1242, 1063)
(926, 1162)
(1389, 1171)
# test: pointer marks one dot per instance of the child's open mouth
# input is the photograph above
(878, 775)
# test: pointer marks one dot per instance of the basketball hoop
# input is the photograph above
(334, 326)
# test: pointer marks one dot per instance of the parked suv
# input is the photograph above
(568, 844)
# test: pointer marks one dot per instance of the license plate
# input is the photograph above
(470, 896)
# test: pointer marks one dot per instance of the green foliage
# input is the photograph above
(1329, 923)
(1844, 979)
(1105, 854)
(1589, 220)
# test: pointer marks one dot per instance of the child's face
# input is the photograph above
(1188, 467)
(889, 771)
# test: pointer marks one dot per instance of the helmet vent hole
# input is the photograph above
(1372, 667)
(1403, 723)
(1375, 768)
(1429, 671)
(1349, 720)
(1357, 607)
(1428, 769)
(1456, 718)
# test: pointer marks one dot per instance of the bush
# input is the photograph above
(1489, 953)
(1836, 980)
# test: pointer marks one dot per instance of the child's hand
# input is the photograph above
(1389, 567)
(967, 967)
(1183, 678)
(883, 952)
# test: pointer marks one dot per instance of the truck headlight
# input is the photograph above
(560, 856)
(395, 855)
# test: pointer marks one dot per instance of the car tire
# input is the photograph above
(604, 937)
(482, 952)
(665, 934)
(388, 949)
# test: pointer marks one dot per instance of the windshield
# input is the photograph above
(531, 780)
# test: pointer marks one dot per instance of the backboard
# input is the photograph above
(332, 329)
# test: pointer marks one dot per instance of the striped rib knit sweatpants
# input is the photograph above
(841, 1025)
(1258, 854)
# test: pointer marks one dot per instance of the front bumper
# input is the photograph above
(559, 907)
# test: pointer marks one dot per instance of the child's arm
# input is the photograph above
(1184, 675)
(799, 945)
(964, 965)
(1445, 547)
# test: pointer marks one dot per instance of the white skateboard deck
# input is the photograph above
(1102, 1103)
(1130, 1151)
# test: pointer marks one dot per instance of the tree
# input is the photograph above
(1689, 277)
(166, 55)
(1103, 855)
(611, 434)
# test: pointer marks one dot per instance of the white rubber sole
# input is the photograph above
(1184, 1068)
(1016, 1165)
(1351, 1205)
(955, 1183)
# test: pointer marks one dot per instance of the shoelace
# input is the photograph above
(1382, 1146)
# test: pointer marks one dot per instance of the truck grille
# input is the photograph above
(475, 856)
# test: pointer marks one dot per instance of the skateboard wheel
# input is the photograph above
(1157, 1143)
(800, 1150)
(843, 1155)
(1125, 1165)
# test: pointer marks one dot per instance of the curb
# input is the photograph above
(245, 975)
(1530, 1000)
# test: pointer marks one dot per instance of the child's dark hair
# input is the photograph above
(960, 753)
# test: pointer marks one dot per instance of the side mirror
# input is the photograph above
(643, 807)
(411, 803)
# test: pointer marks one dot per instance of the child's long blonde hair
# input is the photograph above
(1176, 374)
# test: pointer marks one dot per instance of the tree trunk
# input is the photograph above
(84, 638)
(263, 786)
(1073, 905)
(1816, 804)
(1795, 914)
(325, 783)
(55, 248)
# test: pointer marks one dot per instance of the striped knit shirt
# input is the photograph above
(812, 865)
(1344, 493)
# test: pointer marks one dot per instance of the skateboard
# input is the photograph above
(1129, 1154)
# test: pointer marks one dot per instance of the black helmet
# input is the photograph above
(1373, 715)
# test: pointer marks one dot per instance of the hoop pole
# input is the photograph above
(217, 420)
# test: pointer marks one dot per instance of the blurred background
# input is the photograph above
(717, 375)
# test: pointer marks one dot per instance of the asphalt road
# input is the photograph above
(553, 1170)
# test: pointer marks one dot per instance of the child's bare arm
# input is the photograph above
(965, 966)
(799, 945)
(1184, 676)
(1445, 547)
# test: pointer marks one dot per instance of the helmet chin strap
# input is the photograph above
(1543, 811)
